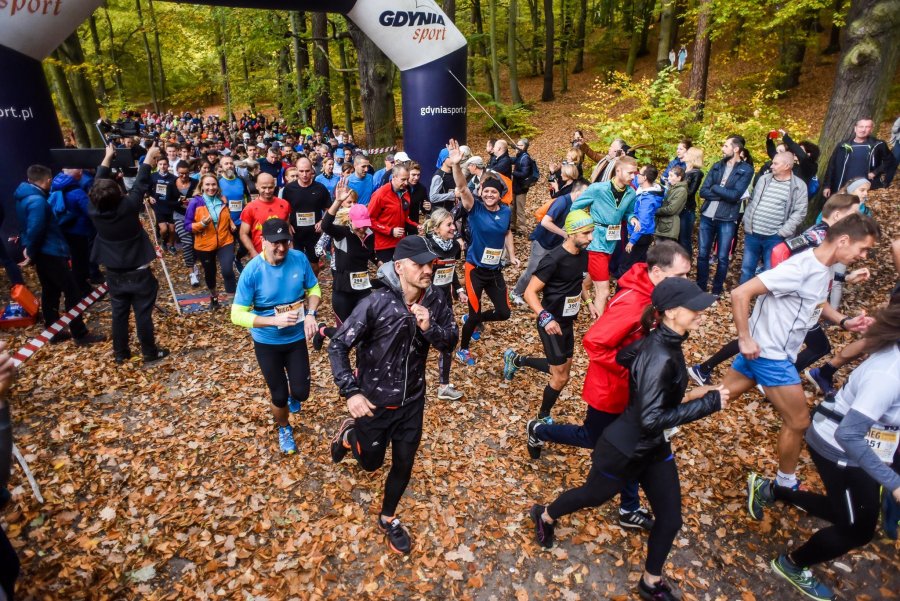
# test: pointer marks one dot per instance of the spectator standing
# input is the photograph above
(863, 155)
(523, 169)
(693, 177)
(76, 225)
(642, 226)
(668, 222)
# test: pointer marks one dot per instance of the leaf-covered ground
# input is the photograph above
(166, 482)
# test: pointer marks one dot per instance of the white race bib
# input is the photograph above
(884, 440)
(491, 256)
(817, 312)
(235, 206)
(571, 306)
(443, 276)
(306, 219)
(614, 232)
(359, 280)
(294, 306)
(161, 190)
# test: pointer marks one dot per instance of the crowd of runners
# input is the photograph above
(275, 212)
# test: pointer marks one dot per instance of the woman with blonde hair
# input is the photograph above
(693, 176)
(440, 234)
(208, 218)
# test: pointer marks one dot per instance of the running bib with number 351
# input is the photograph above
(613, 232)
(884, 440)
(491, 256)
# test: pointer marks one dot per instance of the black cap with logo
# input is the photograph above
(275, 230)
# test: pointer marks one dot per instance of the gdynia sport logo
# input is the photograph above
(427, 22)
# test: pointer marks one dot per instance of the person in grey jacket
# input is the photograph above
(774, 212)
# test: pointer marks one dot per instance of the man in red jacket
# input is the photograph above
(606, 382)
(389, 212)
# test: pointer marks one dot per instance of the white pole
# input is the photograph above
(159, 255)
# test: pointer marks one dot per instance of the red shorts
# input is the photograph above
(598, 266)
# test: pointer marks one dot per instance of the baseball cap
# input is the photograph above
(246, 136)
(359, 216)
(275, 230)
(339, 153)
(442, 156)
(476, 160)
(401, 157)
(680, 292)
(577, 221)
(415, 248)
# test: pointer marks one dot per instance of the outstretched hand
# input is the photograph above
(455, 155)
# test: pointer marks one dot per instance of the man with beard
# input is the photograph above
(308, 200)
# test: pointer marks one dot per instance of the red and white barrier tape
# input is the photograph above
(35, 344)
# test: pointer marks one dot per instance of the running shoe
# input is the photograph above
(823, 384)
(159, 355)
(397, 536)
(465, 357)
(509, 364)
(195, 279)
(801, 578)
(294, 405)
(286, 440)
(89, 339)
(214, 303)
(449, 392)
(639, 519)
(661, 591)
(318, 338)
(517, 299)
(543, 532)
(700, 375)
(759, 495)
(338, 449)
(534, 443)
(476, 335)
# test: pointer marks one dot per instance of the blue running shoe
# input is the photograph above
(294, 405)
(802, 579)
(699, 375)
(814, 377)
(286, 440)
(509, 364)
(476, 335)
(465, 357)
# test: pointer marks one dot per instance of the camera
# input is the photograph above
(113, 132)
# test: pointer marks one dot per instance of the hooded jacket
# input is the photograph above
(646, 203)
(880, 159)
(668, 222)
(391, 350)
(606, 382)
(657, 381)
(39, 231)
(77, 221)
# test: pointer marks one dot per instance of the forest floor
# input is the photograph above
(166, 482)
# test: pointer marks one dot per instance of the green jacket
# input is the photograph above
(668, 217)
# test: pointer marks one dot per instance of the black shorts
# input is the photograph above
(385, 255)
(403, 424)
(559, 349)
(308, 247)
(163, 215)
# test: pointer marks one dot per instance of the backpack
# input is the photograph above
(57, 202)
(535, 173)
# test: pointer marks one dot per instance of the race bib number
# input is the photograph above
(161, 190)
(443, 276)
(491, 256)
(306, 219)
(884, 440)
(571, 306)
(614, 232)
(296, 305)
(359, 280)
(817, 312)
(235, 206)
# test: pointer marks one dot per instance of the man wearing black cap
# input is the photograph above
(392, 330)
(277, 297)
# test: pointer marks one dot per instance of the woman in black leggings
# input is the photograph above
(636, 446)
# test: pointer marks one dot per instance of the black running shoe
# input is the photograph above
(639, 519)
(338, 450)
(160, 354)
(543, 532)
(660, 591)
(397, 536)
(318, 339)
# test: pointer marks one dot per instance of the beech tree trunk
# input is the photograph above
(512, 55)
(636, 26)
(219, 33)
(98, 60)
(666, 24)
(495, 63)
(72, 53)
(580, 36)
(301, 58)
(547, 92)
(376, 90)
(449, 8)
(159, 62)
(113, 57)
(834, 38)
(792, 53)
(700, 63)
(151, 78)
(66, 100)
(478, 21)
(535, 54)
(345, 84)
(320, 64)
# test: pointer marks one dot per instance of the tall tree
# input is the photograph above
(637, 20)
(547, 92)
(376, 90)
(869, 59)
(159, 62)
(449, 8)
(535, 54)
(301, 57)
(492, 40)
(834, 36)
(71, 52)
(151, 79)
(113, 56)
(666, 24)
(512, 55)
(580, 36)
(565, 37)
(700, 64)
(345, 84)
(478, 22)
(98, 59)
(792, 51)
(321, 67)
(218, 16)
(66, 99)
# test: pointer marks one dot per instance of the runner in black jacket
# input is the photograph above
(392, 330)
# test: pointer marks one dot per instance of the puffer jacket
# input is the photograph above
(391, 350)
(668, 222)
(38, 229)
(646, 203)
(657, 382)
(77, 221)
(208, 237)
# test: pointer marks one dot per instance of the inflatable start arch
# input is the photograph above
(415, 34)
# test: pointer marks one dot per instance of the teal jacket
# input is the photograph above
(605, 212)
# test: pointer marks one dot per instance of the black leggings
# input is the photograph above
(403, 455)
(9, 566)
(851, 504)
(445, 360)
(284, 365)
(658, 476)
(478, 280)
(343, 303)
(207, 259)
(817, 346)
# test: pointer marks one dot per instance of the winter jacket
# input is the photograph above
(646, 203)
(122, 243)
(521, 172)
(657, 381)
(729, 195)
(668, 222)
(351, 255)
(388, 210)
(606, 382)
(676, 162)
(38, 229)
(391, 350)
(502, 164)
(693, 178)
(76, 221)
(794, 209)
(880, 161)
(214, 235)
(604, 212)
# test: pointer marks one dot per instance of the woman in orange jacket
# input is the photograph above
(207, 216)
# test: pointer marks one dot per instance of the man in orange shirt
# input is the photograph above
(265, 207)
